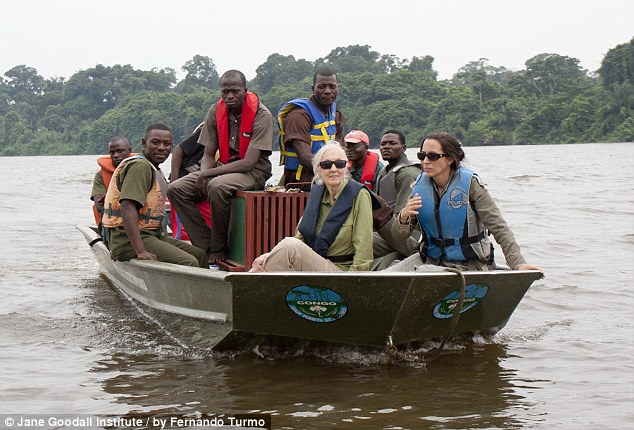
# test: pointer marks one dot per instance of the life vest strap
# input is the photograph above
(324, 124)
(314, 138)
(443, 243)
(146, 217)
(340, 258)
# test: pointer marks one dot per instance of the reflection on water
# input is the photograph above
(468, 389)
(147, 371)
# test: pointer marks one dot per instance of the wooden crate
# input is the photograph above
(259, 220)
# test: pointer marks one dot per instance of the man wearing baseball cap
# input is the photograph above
(364, 165)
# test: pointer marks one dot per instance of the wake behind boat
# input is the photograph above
(353, 308)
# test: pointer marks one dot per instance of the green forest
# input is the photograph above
(552, 100)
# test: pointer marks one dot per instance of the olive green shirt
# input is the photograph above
(98, 187)
(355, 235)
(135, 180)
(404, 178)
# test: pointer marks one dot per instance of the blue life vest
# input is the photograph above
(453, 231)
(335, 219)
(324, 129)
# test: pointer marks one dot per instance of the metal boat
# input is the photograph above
(353, 308)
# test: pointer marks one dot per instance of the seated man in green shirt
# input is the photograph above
(394, 184)
(135, 206)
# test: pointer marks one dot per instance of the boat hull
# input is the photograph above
(356, 308)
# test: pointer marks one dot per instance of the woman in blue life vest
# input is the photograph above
(335, 232)
(455, 212)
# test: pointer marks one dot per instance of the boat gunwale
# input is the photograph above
(94, 238)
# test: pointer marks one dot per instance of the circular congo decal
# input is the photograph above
(316, 304)
(473, 295)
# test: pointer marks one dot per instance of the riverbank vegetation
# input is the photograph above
(552, 100)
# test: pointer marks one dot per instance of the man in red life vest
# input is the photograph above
(364, 165)
(118, 149)
(240, 129)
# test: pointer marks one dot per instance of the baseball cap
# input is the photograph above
(356, 136)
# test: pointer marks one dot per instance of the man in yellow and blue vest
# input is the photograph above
(305, 125)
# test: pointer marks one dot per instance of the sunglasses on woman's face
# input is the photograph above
(432, 156)
(339, 164)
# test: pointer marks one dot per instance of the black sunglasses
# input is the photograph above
(339, 164)
(432, 156)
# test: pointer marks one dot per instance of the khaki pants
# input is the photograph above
(293, 255)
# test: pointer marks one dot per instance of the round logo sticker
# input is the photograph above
(316, 304)
(473, 295)
(458, 198)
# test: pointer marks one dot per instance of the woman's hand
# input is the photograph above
(410, 210)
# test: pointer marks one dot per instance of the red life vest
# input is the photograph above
(368, 173)
(249, 109)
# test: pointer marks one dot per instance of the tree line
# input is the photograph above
(552, 100)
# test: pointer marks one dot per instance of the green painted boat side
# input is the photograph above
(358, 308)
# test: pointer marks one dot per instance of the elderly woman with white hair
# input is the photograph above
(335, 233)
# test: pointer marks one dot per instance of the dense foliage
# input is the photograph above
(553, 100)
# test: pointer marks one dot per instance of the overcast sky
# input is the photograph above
(61, 37)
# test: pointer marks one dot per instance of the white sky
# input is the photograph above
(61, 37)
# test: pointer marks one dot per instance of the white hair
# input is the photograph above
(331, 145)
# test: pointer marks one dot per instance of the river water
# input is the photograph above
(69, 344)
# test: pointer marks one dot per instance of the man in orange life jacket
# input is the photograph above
(364, 165)
(118, 149)
(240, 129)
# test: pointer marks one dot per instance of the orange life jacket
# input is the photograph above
(249, 110)
(107, 169)
(150, 215)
